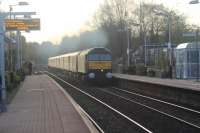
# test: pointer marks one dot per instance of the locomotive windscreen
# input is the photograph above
(99, 57)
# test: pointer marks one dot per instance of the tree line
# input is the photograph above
(115, 23)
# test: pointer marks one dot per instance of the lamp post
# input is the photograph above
(196, 42)
(128, 34)
(168, 16)
(3, 15)
(194, 2)
(22, 3)
(128, 43)
(18, 65)
(128, 40)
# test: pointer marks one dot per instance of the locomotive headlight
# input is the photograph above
(91, 75)
(109, 75)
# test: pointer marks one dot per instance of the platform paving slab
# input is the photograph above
(41, 107)
(183, 84)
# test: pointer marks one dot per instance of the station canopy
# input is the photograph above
(188, 45)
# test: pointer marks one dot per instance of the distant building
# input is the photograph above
(187, 57)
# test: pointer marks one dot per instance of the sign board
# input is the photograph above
(189, 34)
(22, 24)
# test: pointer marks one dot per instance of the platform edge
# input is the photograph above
(79, 109)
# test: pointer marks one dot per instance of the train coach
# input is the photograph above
(94, 64)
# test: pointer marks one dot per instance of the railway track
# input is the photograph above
(145, 112)
(118, 122)
(151, 118)
(185, 115)
(191, 116)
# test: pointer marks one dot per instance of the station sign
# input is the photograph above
(22, 24)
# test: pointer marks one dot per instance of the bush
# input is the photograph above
(21, 74)
(12, 79)
(161, 73)
(130, 70)
(141, 69)
(17, 78)
(9, 81)
(151, 72)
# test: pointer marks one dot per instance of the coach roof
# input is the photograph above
(82, 53)
(87, 51)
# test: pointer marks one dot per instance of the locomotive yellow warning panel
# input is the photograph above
(99, 65)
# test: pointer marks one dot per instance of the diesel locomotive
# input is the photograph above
(94, 64)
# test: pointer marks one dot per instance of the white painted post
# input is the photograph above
(18, 51)
(2, 64)
(128, 47)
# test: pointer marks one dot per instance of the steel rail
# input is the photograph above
(154, 99)
(127, 99)
(106, 105)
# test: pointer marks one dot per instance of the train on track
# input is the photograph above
(94, 64)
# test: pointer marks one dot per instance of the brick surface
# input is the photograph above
(184, 84)
(40, 107)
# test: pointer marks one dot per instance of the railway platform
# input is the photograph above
(41, 106)
(179, 91)
(182, 84)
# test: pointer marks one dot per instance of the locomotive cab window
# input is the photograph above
(103, 57)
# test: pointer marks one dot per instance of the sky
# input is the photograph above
(69, 17)
(192, 11)
(58, 17)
